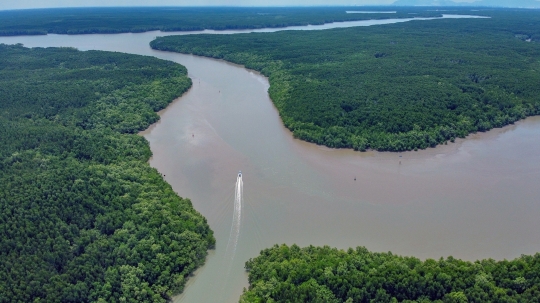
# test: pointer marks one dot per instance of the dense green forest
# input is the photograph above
(392, 87)
(141, 19)
(329, 275)
(83, 217)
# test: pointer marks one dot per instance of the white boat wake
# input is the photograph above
(237, 216)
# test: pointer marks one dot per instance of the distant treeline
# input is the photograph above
(329, 275)
(83, 217)
(393, 87)
(142, 19)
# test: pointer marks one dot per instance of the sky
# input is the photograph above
(22, 4)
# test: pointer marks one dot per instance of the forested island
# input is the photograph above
(396, 87)
(323, 274)
(83, 217)
(142, 19)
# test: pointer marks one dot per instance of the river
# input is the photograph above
(476, 198)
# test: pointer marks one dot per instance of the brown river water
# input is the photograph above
(476, 198)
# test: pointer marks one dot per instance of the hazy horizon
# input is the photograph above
(28, 4)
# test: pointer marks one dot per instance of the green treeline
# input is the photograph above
(393, 87)
(83, 217)
(142, 19)
(329, 275)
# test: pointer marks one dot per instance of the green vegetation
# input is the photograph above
(83, 217)
(141, 19)
(392, 87)
(324, 274)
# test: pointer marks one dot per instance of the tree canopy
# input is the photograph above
(393, 87)
(83, 217)
(142, 19)
(323, 274)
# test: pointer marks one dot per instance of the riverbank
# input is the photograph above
(94, 222)
(73, 21)
(295, 192)
(391, 88)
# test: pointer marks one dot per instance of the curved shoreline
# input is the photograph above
(434, 204)
(449, 148)
(375, 165)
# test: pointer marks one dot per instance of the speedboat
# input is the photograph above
(239, 174)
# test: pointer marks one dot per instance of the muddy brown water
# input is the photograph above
(476, 198)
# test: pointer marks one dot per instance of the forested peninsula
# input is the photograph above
(323, 274)
(83, 217)
(395, 87)
(142, 19)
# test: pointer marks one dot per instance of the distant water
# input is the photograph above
(371, 12)
(476, 198)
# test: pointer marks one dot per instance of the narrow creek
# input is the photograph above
(476, 198)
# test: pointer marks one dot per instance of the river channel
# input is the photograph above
(476, 198)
